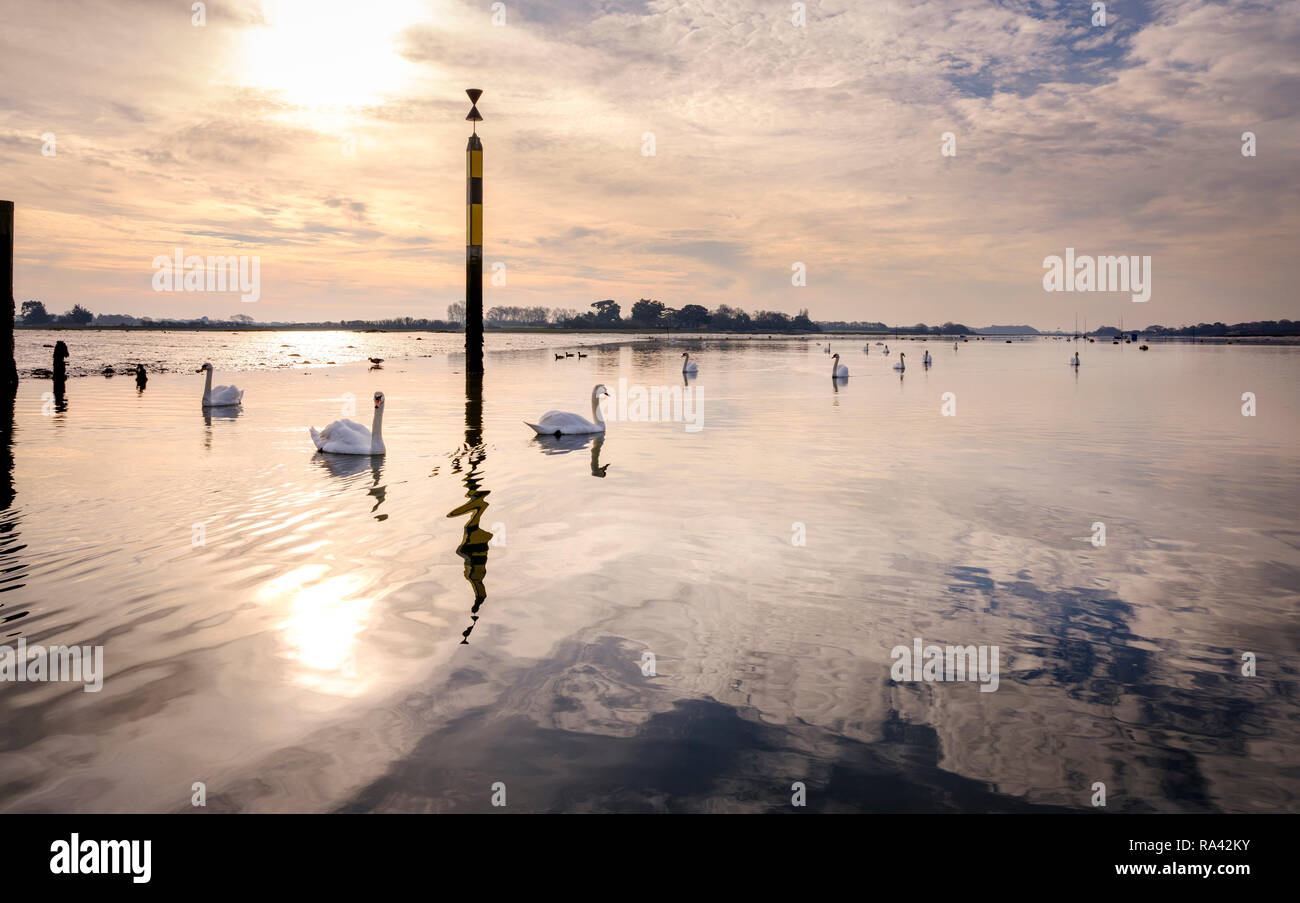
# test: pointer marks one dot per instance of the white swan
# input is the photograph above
(927, 360)
(838, 370)
(219, 396)
(954, 346)
(562, 423)
(900, 366)
(1074, 361)
(343, 437)
(689, 366)
(886, 349)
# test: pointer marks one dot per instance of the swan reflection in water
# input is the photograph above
(343, 466)
(226, 413)
(211, 414)
(562, 445)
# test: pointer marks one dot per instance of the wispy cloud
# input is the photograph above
(329, 137)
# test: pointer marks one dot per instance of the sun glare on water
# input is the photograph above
(330, 53)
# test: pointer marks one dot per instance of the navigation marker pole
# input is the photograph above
(474, 241)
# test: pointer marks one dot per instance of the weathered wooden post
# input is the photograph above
(60, 368)
(474, 241)
(8, 366)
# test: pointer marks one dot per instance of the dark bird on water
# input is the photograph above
(376, 360)
(559, 357)
(141, 377)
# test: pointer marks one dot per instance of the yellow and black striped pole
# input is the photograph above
(474, 241)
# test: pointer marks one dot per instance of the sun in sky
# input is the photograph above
(330, 53)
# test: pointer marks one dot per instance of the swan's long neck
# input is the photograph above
(686, 359)
(377, 427)
(207, 385)
(596, 416)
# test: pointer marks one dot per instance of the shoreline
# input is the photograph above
(652, 334)
(619, 337)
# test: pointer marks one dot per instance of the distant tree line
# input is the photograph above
(646, 313)
(919, 329)
(33, 313)
(607, 314)
(1254, 328)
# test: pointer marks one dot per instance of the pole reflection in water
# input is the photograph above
(7, 403)
(473, 547)
(12, 570)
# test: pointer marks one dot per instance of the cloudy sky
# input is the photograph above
(328, 138)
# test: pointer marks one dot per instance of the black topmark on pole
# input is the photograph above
(474, 241)
(8, 368)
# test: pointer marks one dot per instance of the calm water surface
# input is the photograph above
(398, 634)
(91, 350)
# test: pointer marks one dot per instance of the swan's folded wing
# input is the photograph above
(566, 423)
(339, 429)
(551, 422)
(346, 434)
(226, 395)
